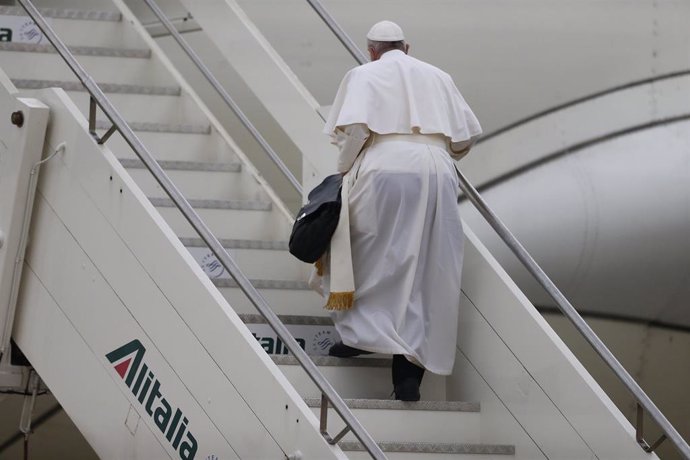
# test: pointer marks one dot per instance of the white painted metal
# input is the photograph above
(615, 246)
(544, 136)
(178, 147)
(448, 426)
(21, 146)
(136, 280)
(34, 66)
(200, 184)
(217, 126)
(231, 223)
(144, 108)
(548, 393)
(364, 377)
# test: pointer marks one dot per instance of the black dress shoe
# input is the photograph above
(341, 350)
(407, 390)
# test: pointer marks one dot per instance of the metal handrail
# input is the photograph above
(563, 304)
(224, 94)
(338, 31)
(205, 233)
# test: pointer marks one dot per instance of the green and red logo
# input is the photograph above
(128, 361)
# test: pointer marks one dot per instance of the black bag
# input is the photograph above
(317, 220)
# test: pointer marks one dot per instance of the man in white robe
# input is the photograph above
(408, 121)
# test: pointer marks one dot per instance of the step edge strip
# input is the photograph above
(290, 285)
(154, 127)
(330, 361)
(391, 404)
(113, 88)
(255, 318)
(66, 13)
(97, 51)
(435, 448)
(231, 243)
(174, 165)
(238, 205)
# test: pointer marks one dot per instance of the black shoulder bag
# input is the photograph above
(317, 220)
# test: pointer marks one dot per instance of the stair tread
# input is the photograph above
(264, 284)
(77, 50)
(230, 243)
(289, 360)
(216, 204)
(202, 166)
(391, 404)
(255, 318)
(184, 128)
(27, 83)
(435, 448)
(66, 13)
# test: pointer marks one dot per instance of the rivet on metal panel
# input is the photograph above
(17, 118)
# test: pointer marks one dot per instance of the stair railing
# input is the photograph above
(224, 94)
(98, 98)
(643, 401)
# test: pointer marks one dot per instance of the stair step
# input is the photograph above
(293, 301)
(66, 13)
(288, 320)
(239, 244)
(87, 27)
(157, 108)
(200, 180)
(432, 451)
(166, 146)
(425, 421)
(200, 166)
(51, 66)
(153, 127)
(216, 204)
(271, 264)
(356, 378)
(115, 88)
(77, 50)
(227, 219)
(392, 404)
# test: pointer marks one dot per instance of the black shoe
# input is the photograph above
(340, 350)
(407, 390)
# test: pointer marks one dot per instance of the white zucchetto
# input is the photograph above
(385, 31)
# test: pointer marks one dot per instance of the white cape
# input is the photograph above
(406, 93)
(407, 244)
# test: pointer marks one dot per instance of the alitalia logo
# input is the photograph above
(129, 365)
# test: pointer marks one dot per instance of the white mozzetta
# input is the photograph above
(20, 150)
(137, 281)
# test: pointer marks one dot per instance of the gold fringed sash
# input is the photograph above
(319, 267)
(340, 301)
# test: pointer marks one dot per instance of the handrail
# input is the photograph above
(224, 94)
(338, 31)
(204, 232)
(563, 304)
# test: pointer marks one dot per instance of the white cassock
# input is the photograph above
(405, 231)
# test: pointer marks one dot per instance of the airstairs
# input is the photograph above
(122, 305)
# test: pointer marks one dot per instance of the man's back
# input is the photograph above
(403, 95)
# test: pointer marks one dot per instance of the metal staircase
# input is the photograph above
(244, 213)
(225, 192)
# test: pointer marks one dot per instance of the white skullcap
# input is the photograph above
(385, 31)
